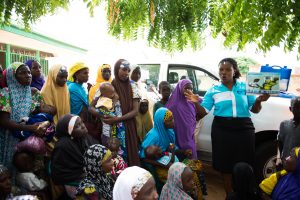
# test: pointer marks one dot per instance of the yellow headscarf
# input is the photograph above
(75, 68)
(268, 184)
(143, 123)
(99, 80)
(55, 95)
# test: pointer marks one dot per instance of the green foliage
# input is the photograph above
(176, 24)
(244, 63)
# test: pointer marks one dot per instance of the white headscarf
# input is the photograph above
(130, 182)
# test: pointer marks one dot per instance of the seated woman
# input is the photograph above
(19, 100)
(38, 79)
(180, 184)
(284, 184)
(135, 183)
(98, 181)
(162, 135)
(67, 157)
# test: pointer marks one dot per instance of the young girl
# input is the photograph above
(97, 182)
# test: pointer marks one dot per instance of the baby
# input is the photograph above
(26, 179)
(119, 163)
(108, 104)
(161, 160)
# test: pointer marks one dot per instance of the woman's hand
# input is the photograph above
(190, 96)
(39, 130)
(110, 120)
(263, 97)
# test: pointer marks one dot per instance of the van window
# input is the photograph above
(150, 73)
(177, 73)
(204, 82)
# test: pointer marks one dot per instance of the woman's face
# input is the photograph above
(226, 72)
(290, 163)
(188, 87)
(5, 183)
(36, 69)
(169, 123)
(148, 191)
(123, 73)
(61, 77)
(82, 76)
(136, 75)
(187, 180)
(108, 165)
(106, 73)
(23, 75)
(79, 129)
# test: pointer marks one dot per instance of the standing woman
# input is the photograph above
(36, 72)
(78, 74)
(232, 133)
(103, 75)
(55, 91)
(184, 113)
(129, 98)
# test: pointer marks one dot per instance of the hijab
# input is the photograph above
(36, 82)
(99, 80)
(143, 122)
(78, 94)
(130, 182)
(184, 113)
(124, 90)
(94, 174)
(55, 95)
(20, 95)
(159, 135)
(173, 189)
(288, 186)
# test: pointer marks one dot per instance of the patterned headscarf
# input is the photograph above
(173, 189)
(20, 95)
(130, 182)
(95, 177)
(75, 68)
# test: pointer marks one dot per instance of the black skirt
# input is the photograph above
(233, 141)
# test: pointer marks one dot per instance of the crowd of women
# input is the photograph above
(62, 140)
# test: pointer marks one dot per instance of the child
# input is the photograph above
(143, 120)
(119, 163)
(243, 183)
(161, 160)
(26, 179)
(289, 131)
(164, 89)
(108, 104)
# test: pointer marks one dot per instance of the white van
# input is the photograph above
(266, 122)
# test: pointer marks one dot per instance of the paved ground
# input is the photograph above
(214, 184)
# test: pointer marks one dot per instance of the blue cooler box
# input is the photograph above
(285, 75)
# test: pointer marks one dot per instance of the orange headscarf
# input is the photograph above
(99, 80)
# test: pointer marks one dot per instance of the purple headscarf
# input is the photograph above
(288, 186)
(184, 114)
(36, 82)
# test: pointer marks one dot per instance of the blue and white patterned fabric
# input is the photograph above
(228, 103)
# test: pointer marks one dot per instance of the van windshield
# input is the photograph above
(150, 73)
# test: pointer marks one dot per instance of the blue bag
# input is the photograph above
(285, 75)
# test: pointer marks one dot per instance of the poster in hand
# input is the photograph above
(263, 83)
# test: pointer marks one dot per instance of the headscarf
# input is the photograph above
(3, 82)
(75, 68)
(173, 188)
(159, 135)
(184, 117)
(143, 122)
(20, 96)
(288, 186)
(99, 80)
(130, 182)
(78, 94)
(67, 156)
(95, 177)
(124, 91)
(55, 95)
(36, 82)
(243, 182)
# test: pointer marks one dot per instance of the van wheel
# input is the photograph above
(265, 159)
